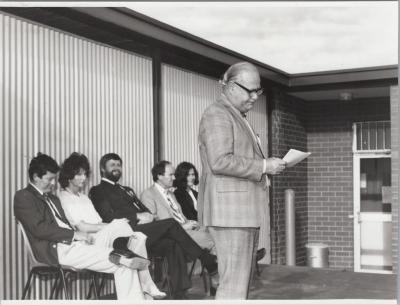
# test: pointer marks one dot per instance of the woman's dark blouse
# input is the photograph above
(186, 203)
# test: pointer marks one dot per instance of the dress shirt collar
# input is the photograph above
(160, 188)
(36, 188)
(108, 181)
(226, 101)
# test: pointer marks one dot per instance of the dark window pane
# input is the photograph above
(375, 189)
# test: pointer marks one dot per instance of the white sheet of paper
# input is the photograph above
(295, 156)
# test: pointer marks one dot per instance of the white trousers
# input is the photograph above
(236, 252)
(121, 228)
(80, 255)
(129, 283)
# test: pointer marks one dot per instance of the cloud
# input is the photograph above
(292, 38)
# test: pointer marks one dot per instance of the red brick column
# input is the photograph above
(287, 123)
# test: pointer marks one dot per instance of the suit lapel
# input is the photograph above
(223, 100)
(188, 199)
(41, 203)
(117, 192)
(160, 197)
(59, 208)
(177, 204)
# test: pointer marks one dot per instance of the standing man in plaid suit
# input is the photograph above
(233, 184)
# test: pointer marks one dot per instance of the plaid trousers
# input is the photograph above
(236, 252)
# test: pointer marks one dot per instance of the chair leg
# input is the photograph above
(89, 295)
(204, 277)
(192, 269)
(95, 289)
(54, 287)
(62, 274)
(102, 282)
(58, 287)
(27, 285)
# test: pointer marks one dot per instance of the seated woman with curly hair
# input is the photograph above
(186, 176)
(81, 214)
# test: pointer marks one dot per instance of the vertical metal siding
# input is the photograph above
(60, 93)
(185, 95)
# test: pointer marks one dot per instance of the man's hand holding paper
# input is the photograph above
(275, 166)
(295, 156)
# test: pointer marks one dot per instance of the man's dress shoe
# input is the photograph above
(128, 259)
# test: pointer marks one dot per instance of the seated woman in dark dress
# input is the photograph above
(186, 176)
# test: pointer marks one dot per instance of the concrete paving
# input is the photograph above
(279, 282)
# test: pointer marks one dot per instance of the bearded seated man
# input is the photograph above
(165, 237)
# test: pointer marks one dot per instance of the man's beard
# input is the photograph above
(113, 176)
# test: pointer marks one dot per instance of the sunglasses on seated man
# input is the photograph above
(257, 91)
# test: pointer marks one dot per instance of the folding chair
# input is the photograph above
(60, 273)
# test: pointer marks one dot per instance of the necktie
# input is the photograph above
(175, 212)
(135, 200)
(255, 136)
(54, 209)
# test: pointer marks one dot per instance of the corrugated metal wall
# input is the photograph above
(185, 95)
(60, 94)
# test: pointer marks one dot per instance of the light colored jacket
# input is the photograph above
(231, 191)
(157, 205)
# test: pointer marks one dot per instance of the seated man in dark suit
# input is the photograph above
(55, 242)
(164, 237)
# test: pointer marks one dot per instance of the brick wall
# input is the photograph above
(330, 172)
(287, 119)
(395, 142)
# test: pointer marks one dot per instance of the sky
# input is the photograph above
(295, 37)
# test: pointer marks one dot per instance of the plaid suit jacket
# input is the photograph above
(231, 190)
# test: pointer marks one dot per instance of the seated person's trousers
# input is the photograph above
(167, 238)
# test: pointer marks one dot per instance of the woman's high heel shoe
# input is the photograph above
(156, 294)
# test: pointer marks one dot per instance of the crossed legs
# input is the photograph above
(80, 255)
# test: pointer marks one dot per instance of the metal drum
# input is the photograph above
(317, 255)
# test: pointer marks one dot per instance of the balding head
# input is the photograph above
(241, 85)
(236, 72)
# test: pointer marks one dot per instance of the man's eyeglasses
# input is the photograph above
(257, 91)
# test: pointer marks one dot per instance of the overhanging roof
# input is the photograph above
(129, 30)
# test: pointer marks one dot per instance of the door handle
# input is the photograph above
(358, 217)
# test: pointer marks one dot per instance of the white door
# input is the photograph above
(372, 213)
